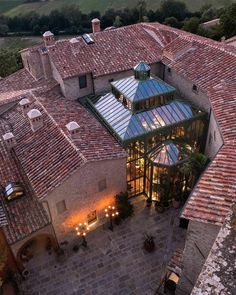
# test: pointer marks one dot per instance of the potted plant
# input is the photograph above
(149, 244)
(148, 202)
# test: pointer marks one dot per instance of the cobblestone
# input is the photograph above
(114, 263)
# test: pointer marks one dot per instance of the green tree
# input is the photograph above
(191, 25)
(228, 21)
(117, 23)
(10, 61)
(3, 29)
(172, 8)
(172, 22)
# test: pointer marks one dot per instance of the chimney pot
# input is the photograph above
(48, 38)
(73, 128)
(25, 104)
(96, 25)
(36, 119)
(9, 140)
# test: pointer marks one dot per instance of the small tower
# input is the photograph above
(73, 129)
(25, 105)
(96, 25)
(48, 38)
(142, 71)
(36, 119)
(9, 140)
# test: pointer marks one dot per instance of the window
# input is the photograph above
(102, 185)
(214, 135)
(82, 82)
(169, 70)
(110, 80)
(195, 89)
(61, 207)
(92, 217)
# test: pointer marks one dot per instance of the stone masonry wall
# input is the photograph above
(200, 100)
(82, 196)
(102, 84)
(199, 241)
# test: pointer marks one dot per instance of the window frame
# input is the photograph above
(83, 83)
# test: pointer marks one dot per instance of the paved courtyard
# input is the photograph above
(114, 263)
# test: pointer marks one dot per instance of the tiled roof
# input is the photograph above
(49, 156)
(113, 51)
(214, 193)
(46, 156)
(94, 141)
(22, 216)
(15, 86)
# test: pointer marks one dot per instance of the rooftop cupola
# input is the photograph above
(48, 38)
(36, 119)
(25, 105)
(142, 71)
(73, 129)
(9, 140)
(96, 25)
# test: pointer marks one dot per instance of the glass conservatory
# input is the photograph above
(154, 127)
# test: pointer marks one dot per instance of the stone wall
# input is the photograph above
(32, 62)
(102, 84)
(82, 196)
(200, 100)
(199, 241)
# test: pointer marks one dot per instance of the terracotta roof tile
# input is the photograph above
(113, 51)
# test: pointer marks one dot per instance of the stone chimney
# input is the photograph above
(25, 105)
(48, 38)
(73, 129)
(9, 140)
(36, 119)
(96, 25)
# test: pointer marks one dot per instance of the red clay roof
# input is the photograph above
(113, 51)
(215, 192)
(25, 215)
(206, 64)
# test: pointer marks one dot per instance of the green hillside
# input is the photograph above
(16, 7)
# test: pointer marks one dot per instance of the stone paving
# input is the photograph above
(114, 263)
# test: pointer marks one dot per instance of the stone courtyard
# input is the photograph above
(114, 263)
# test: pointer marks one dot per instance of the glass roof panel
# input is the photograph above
(137, 90)
(170, 153)
(127, 125)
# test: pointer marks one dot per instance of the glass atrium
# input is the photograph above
(153, 126)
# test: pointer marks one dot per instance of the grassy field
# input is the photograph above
(16, 7)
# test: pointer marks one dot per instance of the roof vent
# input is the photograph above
(36, 119)
(88, 39)
(9, 140)
(73, 128)
(25, 105)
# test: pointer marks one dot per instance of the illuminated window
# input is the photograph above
(102, 185)
(61, 207)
